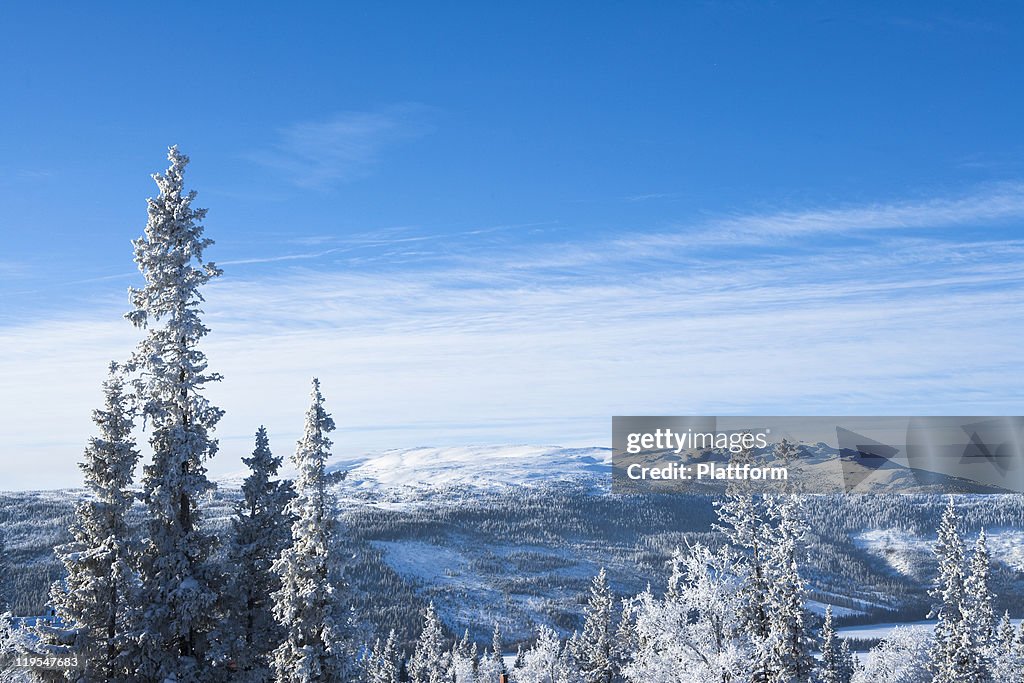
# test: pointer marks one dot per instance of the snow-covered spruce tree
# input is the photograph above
(848, 665)
(546, 662)
(492, 665)
(745, 519)
(592, 647)
(497, 647)
(464, 661)
(954, 655)
(1007, 653)
(790, 643)
(430, 660)
(261, 530)
(308, 605)
(624, 644)
(487, 670)
(96, 600)
(836, 665)
(517, 663)
(979, 613)
(176, 575)
(383, 664)
(767, 531)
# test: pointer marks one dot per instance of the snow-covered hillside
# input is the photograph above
(476, 466)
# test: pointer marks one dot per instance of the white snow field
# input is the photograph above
(476, 466)
(882, 631)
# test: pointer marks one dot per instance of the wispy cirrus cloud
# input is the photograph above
(343, 147)
(554, 341)
(1000, 202)
(379, 245)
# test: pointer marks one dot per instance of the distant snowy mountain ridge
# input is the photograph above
(475, 466)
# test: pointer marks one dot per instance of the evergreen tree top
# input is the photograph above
(172, 241)
(314, 446)
(263, 462)
(110, 456)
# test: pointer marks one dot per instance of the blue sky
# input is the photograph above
(484, 224)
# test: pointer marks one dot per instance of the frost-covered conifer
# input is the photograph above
(836, 665)
(487, 670)
(790, 642)
(383, 664)
(463, 666)
(592, 647)
(745, 520)
(847, 663)
(1007, 653)
(172, 373)
(261, 531)
(625, 642)
(492, 665)
(496, 649)
(979, 613)
(768, 533)
(308, 604)
(96, 600)
(430, 660)
(955, 656)
(546, 662)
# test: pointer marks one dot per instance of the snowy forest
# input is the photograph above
(150, 590)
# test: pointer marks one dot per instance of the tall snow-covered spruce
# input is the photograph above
(955, 656)
(261, 531)
(492, 665)
(745, 519)
(97, 598)
(308, 604)
(383, 664)
(172, 373)
(790, 644)
(592, 647)
(767, 530)
(978, 612)
(431, 659)
(836, 665)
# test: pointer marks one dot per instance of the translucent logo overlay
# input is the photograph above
(852, 454)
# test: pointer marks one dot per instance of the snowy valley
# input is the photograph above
(513, 535)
